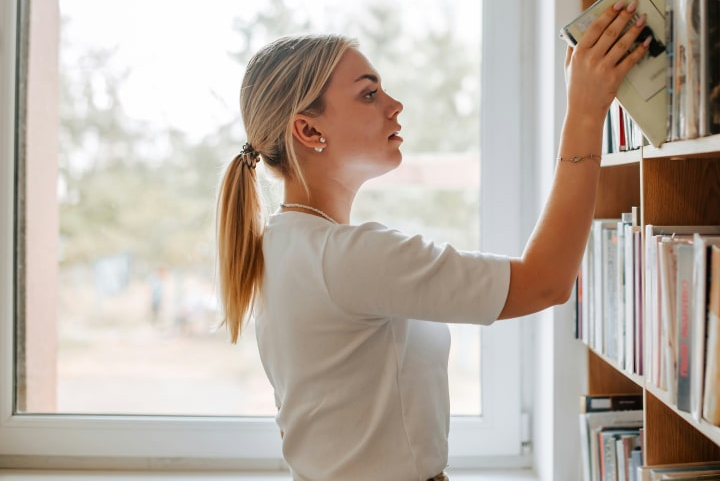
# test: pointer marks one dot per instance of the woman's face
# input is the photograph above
(360, 121)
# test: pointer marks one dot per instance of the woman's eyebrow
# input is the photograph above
(368, 76)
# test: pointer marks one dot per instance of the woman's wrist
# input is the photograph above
(584, 122)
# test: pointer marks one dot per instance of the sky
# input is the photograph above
(182, 73)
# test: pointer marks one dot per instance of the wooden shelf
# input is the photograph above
(704, 147)
(605, 376)
(671, 435)
(708, 430)
(636, 379)
(622, 158)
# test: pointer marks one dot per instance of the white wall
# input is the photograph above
(560, 361)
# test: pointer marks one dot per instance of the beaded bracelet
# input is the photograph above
(577, 158)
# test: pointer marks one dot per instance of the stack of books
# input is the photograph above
(679, 315)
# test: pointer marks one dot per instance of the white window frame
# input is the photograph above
(254, 443)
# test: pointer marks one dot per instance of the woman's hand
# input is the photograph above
(596, 66)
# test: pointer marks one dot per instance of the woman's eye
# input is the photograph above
(371, 94)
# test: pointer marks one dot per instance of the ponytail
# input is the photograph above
(239, 238)
(284, 78)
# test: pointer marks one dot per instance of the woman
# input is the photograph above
(341, 311)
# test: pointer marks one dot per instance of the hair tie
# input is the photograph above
(250, 157)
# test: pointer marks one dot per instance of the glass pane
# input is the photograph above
(137, 110)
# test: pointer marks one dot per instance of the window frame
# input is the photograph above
(254, 443)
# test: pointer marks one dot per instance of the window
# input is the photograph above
(121, 135)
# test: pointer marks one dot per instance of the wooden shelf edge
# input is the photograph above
(622, 158)
(710, 431)
(635, 378)
(700, 147)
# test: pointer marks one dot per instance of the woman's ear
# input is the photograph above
(304, 131)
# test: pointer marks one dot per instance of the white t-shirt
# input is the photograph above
(360, 384)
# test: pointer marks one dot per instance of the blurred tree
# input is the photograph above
(126, 185)
(148, 191)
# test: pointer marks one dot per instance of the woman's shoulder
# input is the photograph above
(300, 220)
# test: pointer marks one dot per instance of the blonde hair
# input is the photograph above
(286, 77)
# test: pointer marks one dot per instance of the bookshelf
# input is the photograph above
(676, 184)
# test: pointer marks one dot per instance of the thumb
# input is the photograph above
(568, 56)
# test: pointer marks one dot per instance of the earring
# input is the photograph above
(320, 149)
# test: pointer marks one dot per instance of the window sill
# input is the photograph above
(46, 475)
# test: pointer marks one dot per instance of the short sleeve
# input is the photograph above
(374, 271)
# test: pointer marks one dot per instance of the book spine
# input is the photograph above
(620, 295)
(680, 68)
(703, 124)
(611, 402)
(651, 303)
(630, 300)
(684, 315)
(692, 97)
(666, 274)
(609, 459)
(698, 329)
(638, 305)
(622, 140)
(609, 291)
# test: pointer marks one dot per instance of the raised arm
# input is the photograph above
(545, 273)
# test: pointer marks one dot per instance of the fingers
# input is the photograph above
(610, 38)
(616, 27)
(600, 25)
(635, 56)
(625, 43)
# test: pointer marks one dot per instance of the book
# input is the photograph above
(599, 286)
(680, 66)
(608, 439)
(687, 25)
(624, 446)
(591, 424)
(623, 337)
(660, 317)
(678, 471)
(610, 402)
(638, 305)
(683, 305)
(609, 294)
(670, 52)
(643, 93)
(711, 399)
(652, 304)
(698, 325)
(667, 263)
(635, 463)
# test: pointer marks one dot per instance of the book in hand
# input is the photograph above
(643, 92)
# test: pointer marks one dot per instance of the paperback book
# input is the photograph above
(643, 92)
